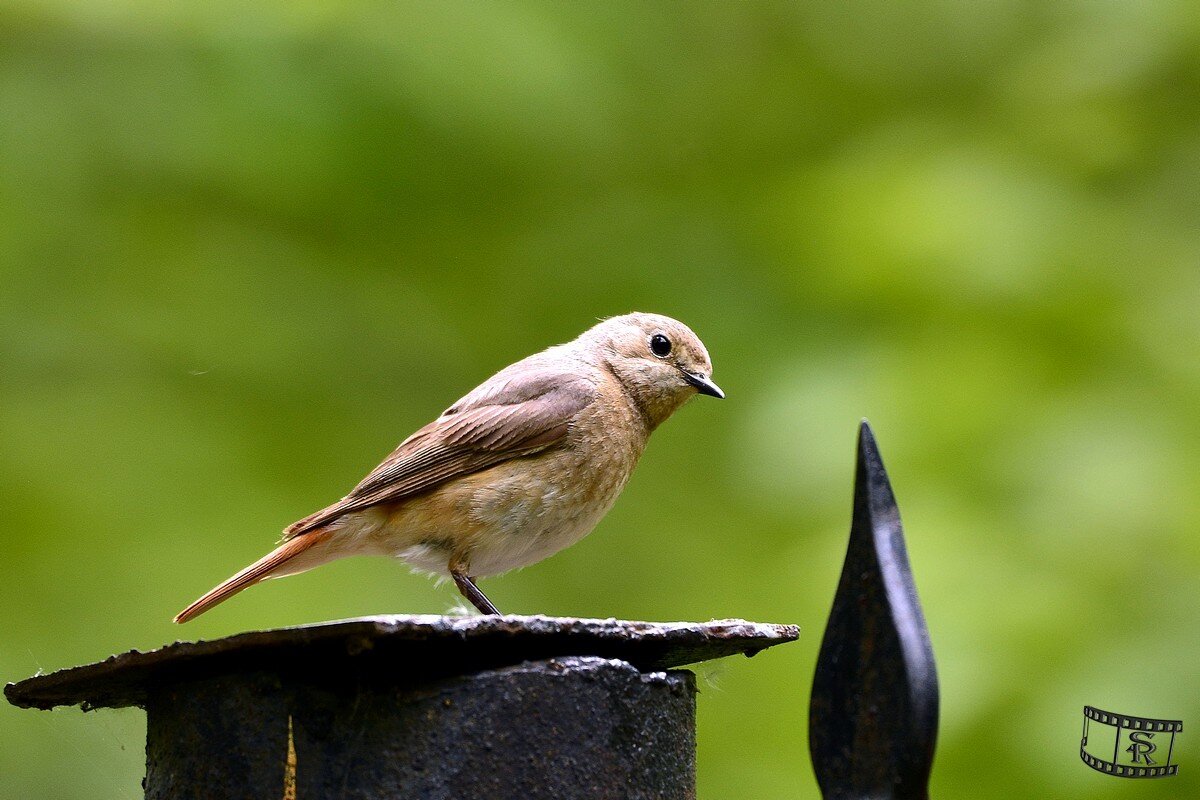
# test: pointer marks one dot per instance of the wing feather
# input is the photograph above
(516, 413)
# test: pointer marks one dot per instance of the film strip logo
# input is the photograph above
(1128, 747)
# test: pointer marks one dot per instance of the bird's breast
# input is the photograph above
(525, 509)
(530, 508)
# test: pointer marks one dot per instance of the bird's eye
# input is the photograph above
(660, 345)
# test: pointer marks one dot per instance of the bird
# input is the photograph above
(523, 466)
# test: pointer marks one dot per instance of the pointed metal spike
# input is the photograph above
(874, 710)
(871, 485)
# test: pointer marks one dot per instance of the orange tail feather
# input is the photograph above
(258, 571)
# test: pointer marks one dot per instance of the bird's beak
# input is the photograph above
(703, 384)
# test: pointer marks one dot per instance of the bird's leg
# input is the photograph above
(470, 591)
(466, 585)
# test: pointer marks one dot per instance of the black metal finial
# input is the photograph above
(874, 710)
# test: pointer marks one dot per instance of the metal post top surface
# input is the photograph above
(400, 647)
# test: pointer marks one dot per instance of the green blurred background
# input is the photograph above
(247, 248)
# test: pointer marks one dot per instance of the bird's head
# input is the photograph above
(660, 362)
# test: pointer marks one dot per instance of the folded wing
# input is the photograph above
(521, 411)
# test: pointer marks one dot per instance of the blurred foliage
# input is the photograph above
(246, 248)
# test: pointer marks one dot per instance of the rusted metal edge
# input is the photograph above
(409, 647)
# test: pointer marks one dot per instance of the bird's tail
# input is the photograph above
(286, 559)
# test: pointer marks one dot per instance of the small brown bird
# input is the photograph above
(523, 466)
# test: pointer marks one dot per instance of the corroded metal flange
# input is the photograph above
(416, 647)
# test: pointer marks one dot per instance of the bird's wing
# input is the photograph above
(516, 413)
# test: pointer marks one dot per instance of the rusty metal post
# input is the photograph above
(417, 707)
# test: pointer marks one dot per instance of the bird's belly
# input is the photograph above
(526, 516)
(511, 515)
